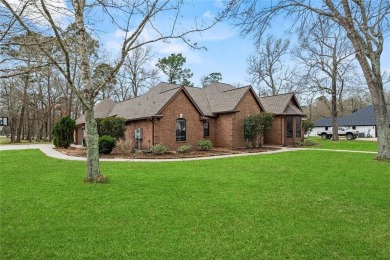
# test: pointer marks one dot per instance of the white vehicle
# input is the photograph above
(350, 134)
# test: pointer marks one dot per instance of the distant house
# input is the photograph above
(287, 127)
(175, 115)
(363, 120)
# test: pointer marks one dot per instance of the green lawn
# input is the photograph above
(344, 144)
(6, 140)
(295, 205)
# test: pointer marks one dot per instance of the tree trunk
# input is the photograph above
(92, 139)
(22, 111)
(368, 57)
(335, 131)
(375, 85)
(382, 123)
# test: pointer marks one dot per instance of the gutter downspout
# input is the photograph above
(153, 131)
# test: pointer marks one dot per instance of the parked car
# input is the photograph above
(350, 134)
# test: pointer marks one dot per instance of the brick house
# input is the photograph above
(287, 127)
(175, 115)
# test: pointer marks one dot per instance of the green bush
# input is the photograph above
(159, 149)
(307, 126)
(255, 127)
(205, 145)
(106, 144)
(63, 132)
(184, 149)
(307, 142)
(113, 126)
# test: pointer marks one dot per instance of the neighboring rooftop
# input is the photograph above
(362, 117)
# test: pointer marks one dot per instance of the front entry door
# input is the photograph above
(293, 130)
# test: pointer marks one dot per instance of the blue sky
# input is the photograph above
(227, 51)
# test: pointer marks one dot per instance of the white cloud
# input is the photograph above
(219, 3)
(208, 15)
(217, 33)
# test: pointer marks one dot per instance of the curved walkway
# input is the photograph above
(49, 150)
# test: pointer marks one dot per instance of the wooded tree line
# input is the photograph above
(34, 39)
(35, 95)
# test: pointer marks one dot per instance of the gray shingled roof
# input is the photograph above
(200, 98)
(362, 117)
(211, 100)
(101, 110)
(148, 104)
(281, 104)
(223, 97)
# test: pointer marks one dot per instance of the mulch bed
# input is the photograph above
(82, 152)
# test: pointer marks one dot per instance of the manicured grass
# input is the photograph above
(297, 205)
(6, 140)
(344, 144)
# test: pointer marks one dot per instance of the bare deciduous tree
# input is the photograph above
(364, 22)
(136, 75)
(267, 67)
(326, 53)
(128, 16)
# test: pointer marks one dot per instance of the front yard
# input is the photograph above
(304, 204)
(343, 144)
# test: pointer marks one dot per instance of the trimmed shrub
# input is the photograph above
(106, 144)
(124, 146)
(184, 149)
(307, 126)
(113, 126)
(205, 145)
(306, 142)
(255, 127)
(159, 149)
(63, 132)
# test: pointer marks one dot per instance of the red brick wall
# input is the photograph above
(246, 106)
(213, 131)
(165, 128)
(224, 129)
(146, 126)
(274, 136)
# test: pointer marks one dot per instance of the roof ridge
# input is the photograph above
(235, 89)
(165, 91)
(289, 93)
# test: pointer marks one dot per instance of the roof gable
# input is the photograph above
(251, 91)
(148, 104)
(284, 104)
(182, 89)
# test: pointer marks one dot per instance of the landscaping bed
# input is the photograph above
(82, 152)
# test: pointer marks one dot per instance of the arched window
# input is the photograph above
(180, 129)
